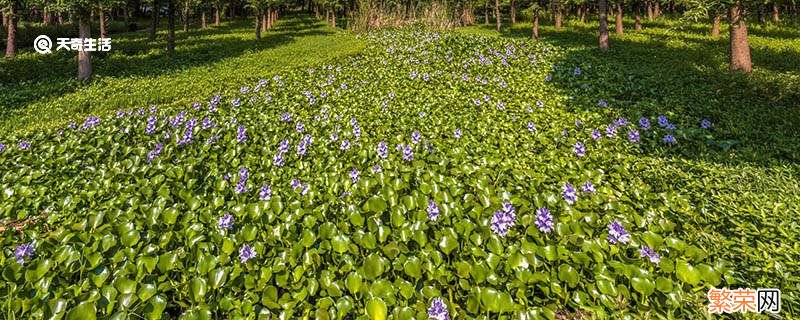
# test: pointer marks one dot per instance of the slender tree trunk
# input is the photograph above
(216, 14)
(582, 13)
(11, 40)
(171, 27)
(535, 31)
(513, 12)
(558, 14)
(637, 9)
(486, 13)
(126, 15)
(657, 9)
(740, 47)
(48, 17)
(60, 18)
(185, 16)
(102, 18)
(602, 11)
(258, 24)
(316, 11)
(84, 57)
(333, 19)
(327, 16)
(203, 19)
(154, 20)
(762, 15)
(5, 19)
(715, 26)
(776, 16)
(264, 18)
(618, 19)
(497, 14)
(649, 10)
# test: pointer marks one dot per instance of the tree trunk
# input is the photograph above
(48, 17)
(513, 12)
(84, 57)
(497, 14)
(264, 18)
(327, 16)
(649, 11)
(776, 16)
(740, 47)
(486, 13)
(60, 18)
(154, 20)
(203, 20)
(216, 14)
(11, 40)
(5, 19)
(102, 18)
(126, 15)
(171, 27)
(258, 24)
(333, 19)
(535, 32)
(638, 13)
(715, 26)
(657, 9)
(185, 16)
(558, 14)
(582, 13)
(602, 11)
(618, 19)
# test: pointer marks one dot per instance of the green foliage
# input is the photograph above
(116, 235)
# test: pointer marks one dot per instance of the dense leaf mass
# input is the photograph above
(435, 174)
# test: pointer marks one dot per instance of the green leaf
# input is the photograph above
(376, 309)
(83, 311)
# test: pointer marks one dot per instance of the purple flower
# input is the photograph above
(705, 123)
(356, 130)
(544, 220)
(152, 108)
(596, 135)
(91, 122)
(548, 78)
(241, 186)
(212, 139)
(207, 123)
(565, 133)
(671, 126)
(246, 253)
(577, 71)
(408, 153)
(2, 147)
(303, 189)
(644, 123)
(621, 122)
(244, 89)
(539, 103)
(602, 103)
(283, 146)
(299, 127)
(241, 134)
(345, 145)
(503, 220)
(617, 233)
(579, 149)
(383, 151)
(422, 114)
(24, 252)
(650, 254)
(225, 221)
(24, 145)
(669, 139)
(662, 121)
(438, 310)
(295, 183)
(155, 152)
(633, 136)
(235, 102)
(354, 175)
(71, 125)
(151, 125)
(568, 193)
(188, 133)
(415, 137)
(578, 124)
(587, 187)
(286, 117)
(196, 105)
(457, 134)
(531, 126)
(302, 148)
(277, 159)
(334, 137)
(611, 131)
(500, 105)
(265, 193)
(433, 211)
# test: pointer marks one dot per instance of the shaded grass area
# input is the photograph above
(743, 189)
(37, 91)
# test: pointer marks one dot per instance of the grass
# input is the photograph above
(38, 91)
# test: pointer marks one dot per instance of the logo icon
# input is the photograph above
(42, 44)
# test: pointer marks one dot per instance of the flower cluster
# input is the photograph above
(225, 221)
(433, 211)
(503, 219)
(617, 233)
(544, 220)
(438, 310)
(241, 185)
